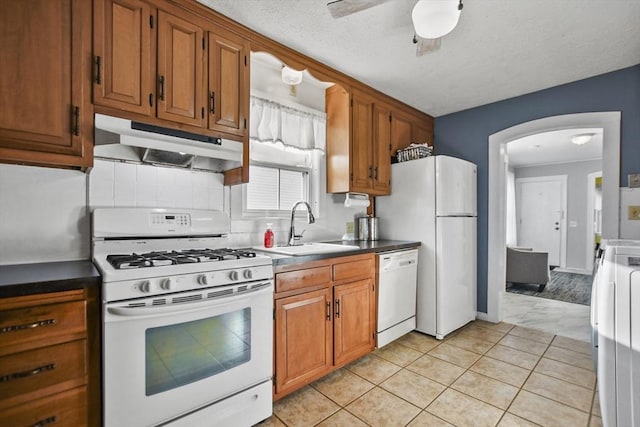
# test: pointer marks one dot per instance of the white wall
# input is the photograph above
(43, 215)
(576, 203)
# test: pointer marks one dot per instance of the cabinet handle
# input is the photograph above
(212, 102)
(99, 70)
(161, 95)
(45, 421)
(337, 308)
(328, 310)
(33, 325)
(371, 172)
(375, 173)
(75, 127)
(29, 373)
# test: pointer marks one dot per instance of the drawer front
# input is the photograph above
(42, 371)
(68, 408)
(353, 269)
(303, 278)
(22, 326)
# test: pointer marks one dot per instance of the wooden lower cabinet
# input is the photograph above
(49, 363)
(303, 339)
(325, 314)
(354, 320)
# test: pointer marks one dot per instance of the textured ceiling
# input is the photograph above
(500, 48)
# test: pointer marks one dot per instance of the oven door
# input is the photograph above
(163, 361)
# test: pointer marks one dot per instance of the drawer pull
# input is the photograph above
(29, 373)
(337, 308)
(33, 325)
(46, 421)
(328, 310)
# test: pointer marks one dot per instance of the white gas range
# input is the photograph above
(187, 322)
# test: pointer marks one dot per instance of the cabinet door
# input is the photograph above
(354, 320)
(44, 113)
(228, 83)
(400, 132)
(422, 132)
(180, 70)
(303, 343)
(382, 150)
(361, 143)
(124, 55)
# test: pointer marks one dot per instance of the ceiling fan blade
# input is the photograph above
(340, 8)
(424, 46)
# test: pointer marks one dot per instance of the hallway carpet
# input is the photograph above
(569, 287)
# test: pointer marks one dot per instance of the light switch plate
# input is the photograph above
(634, 180)
(634, 213)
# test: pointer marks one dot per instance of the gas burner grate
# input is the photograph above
(160, 258)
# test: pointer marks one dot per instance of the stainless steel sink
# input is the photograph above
(309, 248)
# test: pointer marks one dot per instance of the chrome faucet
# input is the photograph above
(291, 241)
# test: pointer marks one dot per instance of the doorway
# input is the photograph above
(541, 216)
(610, 123)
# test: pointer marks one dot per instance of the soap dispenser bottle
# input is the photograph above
(268, 236)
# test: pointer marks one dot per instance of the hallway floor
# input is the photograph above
(556, 317)
(484, 374)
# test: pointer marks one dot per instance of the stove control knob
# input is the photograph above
(144, 286)
(166, 284)
(203, 280)
(233, 275)
(248, 274)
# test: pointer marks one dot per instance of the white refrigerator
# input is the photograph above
(434, 201)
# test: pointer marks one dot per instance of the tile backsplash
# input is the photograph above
(130, 185)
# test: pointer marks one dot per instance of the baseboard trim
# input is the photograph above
(573, 270)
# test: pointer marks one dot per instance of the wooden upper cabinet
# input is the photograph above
(358, 138)
(400, 132)
(407, 128)
(361, 143)
(228, 80)
(382, 146)
(180, 82)
(45, 114)
(124, 47)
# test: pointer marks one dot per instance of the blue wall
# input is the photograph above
(466, 134)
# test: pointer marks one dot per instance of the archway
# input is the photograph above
(610, 123)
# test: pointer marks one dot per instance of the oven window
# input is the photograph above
(184, 353)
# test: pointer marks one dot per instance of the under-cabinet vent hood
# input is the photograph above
(123, 139)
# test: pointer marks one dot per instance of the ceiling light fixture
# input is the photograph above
(291, 76)
(582, 138)
(435, 18)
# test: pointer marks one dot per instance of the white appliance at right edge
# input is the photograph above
(434, 201)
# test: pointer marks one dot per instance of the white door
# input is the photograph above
(540, 209)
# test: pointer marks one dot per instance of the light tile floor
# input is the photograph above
(556, 317)
(484, 374)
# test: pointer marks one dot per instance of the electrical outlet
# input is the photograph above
(350, 227)
(634, 180)
(634, 213)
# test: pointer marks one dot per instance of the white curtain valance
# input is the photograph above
(274, 122)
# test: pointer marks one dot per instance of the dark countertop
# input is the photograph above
(27, 279)
(365, 247)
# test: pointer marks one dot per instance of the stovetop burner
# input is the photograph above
(160, 258)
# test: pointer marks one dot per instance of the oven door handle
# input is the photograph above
(184, 307)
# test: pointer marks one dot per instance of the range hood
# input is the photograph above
(122, 139)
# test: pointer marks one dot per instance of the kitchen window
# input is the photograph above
(275, 188)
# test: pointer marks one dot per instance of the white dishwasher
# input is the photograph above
(397, 287)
